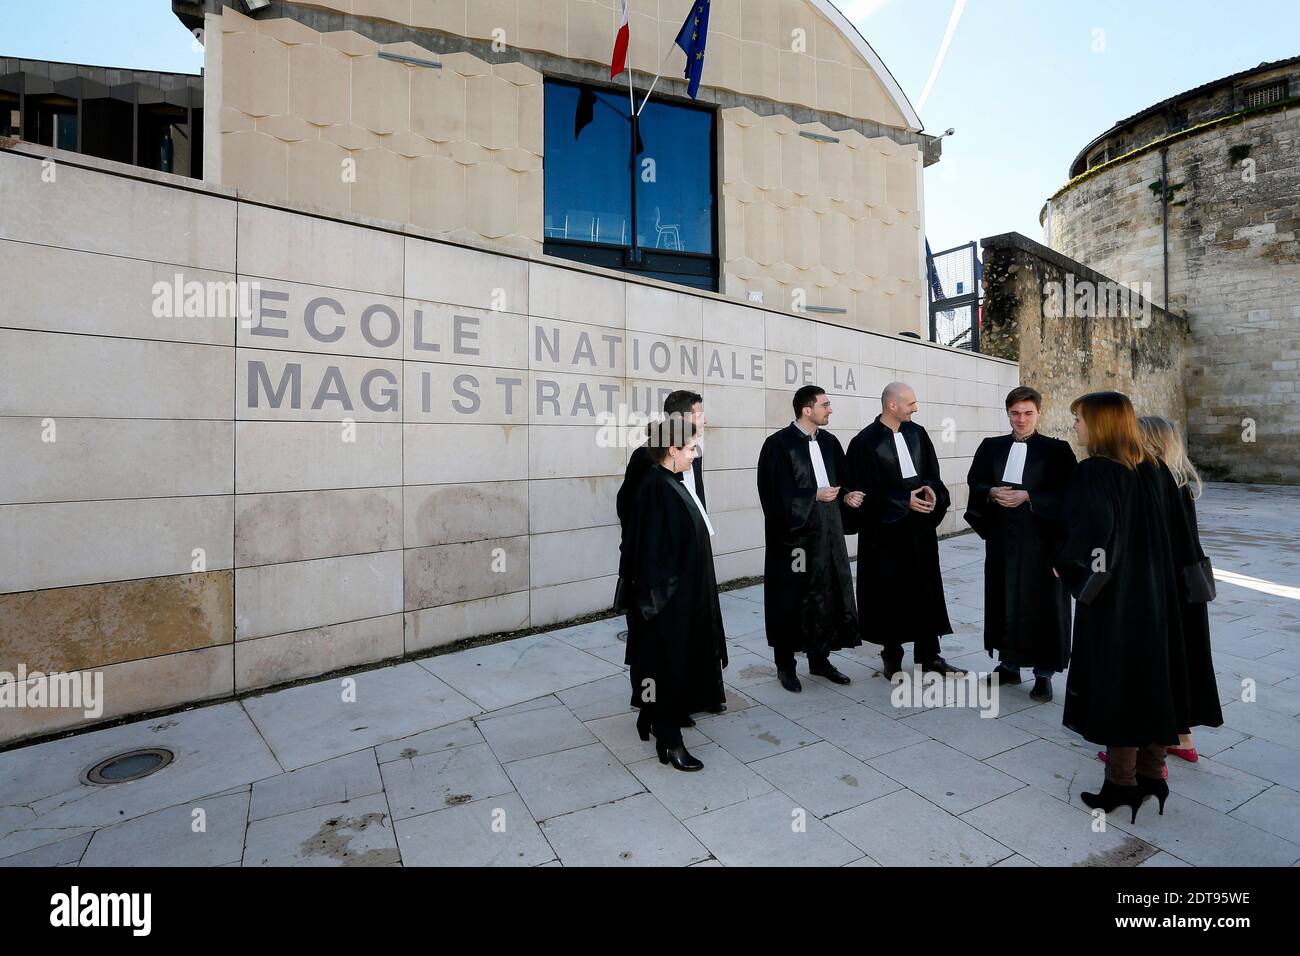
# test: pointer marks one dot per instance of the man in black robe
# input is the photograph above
(807, 584)
(1017, 488)
(900, 590)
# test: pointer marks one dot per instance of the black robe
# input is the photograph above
(1026, 607)
(807, 597)
(637, 466)
(1127, 672)
(898, 549)
(1200, 706)
(675, 633)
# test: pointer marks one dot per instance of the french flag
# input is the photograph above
(619, 63)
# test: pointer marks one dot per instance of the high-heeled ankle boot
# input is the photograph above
(643, 724)
(679, 757)
(1113, 796)
(1155, 788)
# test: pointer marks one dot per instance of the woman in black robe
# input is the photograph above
(1127, 673)
(676, 645)
(1201, 708)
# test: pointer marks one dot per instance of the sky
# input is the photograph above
(1025, 84)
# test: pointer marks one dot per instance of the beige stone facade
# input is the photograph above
(399, 447)
(319, 118)
(1233, 269)
(817, 223)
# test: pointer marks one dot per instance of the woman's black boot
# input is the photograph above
(643, 723)
(1114, 796)
(1157, 788)
(679, 757)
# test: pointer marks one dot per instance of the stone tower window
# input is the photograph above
(1268, 93)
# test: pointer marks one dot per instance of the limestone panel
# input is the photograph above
(280, 245)
(438, 194)
(440, 454)
(303, 525)
(304, 456)
(447, 514)
(450, 574)
(438, 272)
(255, 74)
(438, 105)
(382, 189)
(94, 458)
(559, 293)
(265, 661)
(565, 504)
(278, 598)
(50, 374)
(62, 544)
(320, 78)
(68, 629)
(132, 298)
(571, 451)
(573, 555)
(97, 212)
(381, 94)
(436, 626)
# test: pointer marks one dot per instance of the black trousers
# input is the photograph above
(785, 659)
(924, 650)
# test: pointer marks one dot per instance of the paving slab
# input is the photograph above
(635, 831)
(376, 707)
(571, 780)
(356, 833)
(770, 831)
(495, 832)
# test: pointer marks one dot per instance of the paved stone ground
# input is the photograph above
(525, 753)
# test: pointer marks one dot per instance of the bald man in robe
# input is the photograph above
(900, 588)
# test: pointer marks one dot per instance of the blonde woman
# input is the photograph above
(1162, 440)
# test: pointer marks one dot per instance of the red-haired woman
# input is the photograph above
(1127, 671)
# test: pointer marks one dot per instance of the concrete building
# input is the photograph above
(287, 420)
(1195, 201)
(142, 117)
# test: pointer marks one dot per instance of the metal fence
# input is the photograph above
(956, 296)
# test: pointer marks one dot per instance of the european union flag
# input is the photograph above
(691, 39)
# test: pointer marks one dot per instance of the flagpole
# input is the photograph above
(656, 79)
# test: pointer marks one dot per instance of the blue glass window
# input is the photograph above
(589, 208)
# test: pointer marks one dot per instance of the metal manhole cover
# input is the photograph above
(128, 766)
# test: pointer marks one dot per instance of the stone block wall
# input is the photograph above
(399, 447)
(1234, 271)
(1065, 352)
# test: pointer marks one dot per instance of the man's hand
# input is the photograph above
(828, 494)
(1008, 497)
(923, 500)
(854, 499)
